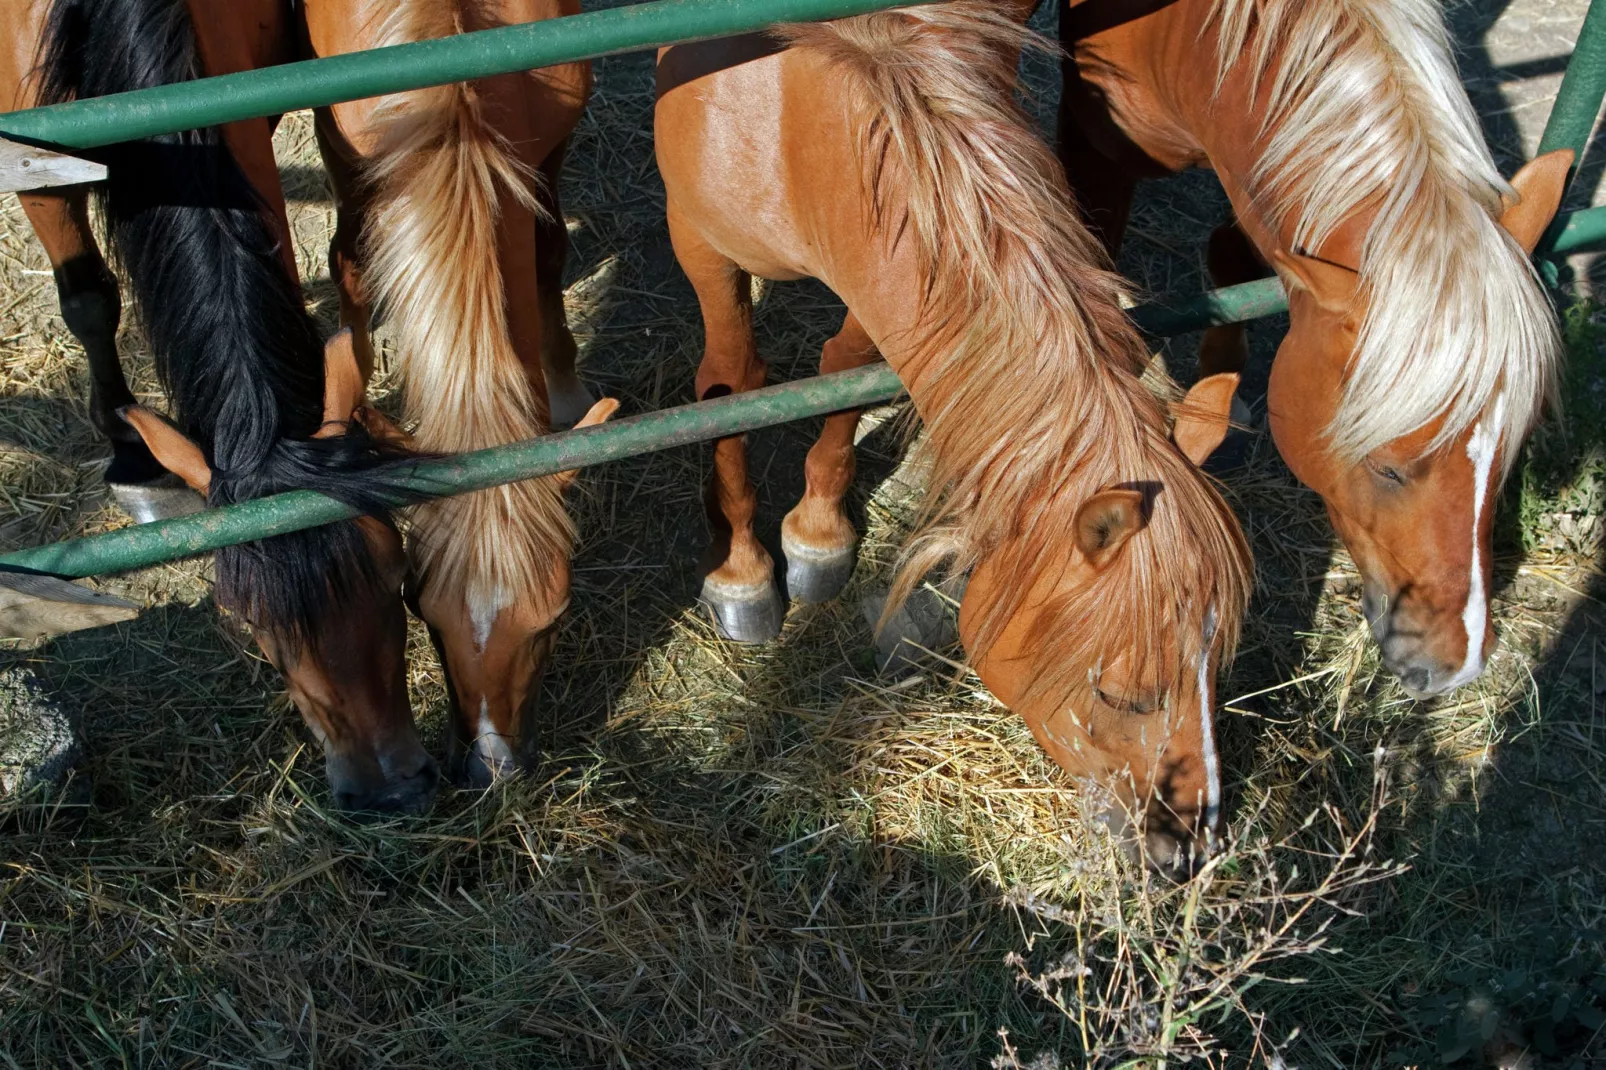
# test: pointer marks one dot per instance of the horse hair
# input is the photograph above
(439, 176)
(1370, 113)
(1028, 330)
(239, 356)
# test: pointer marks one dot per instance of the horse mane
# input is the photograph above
(1370, 113)
(1033, 399)
(437, 174)
(239, 356)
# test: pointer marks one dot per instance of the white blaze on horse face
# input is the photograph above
(1207, 734)
(482, 613)
(1481, 450)
(489, 744)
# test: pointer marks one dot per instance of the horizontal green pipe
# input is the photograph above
(1578, 232)
(1230, 304)
(149, 544)
(85, 124)
(143, 545)
(1575, 232)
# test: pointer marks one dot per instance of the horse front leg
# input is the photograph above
(738, 573)
(1231, 259)
(569, 399)
(91, 308)
(351, 213)
(817, 538)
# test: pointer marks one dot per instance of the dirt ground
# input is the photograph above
(772, 856)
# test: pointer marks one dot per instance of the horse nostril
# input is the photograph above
(1178, 857)
(1418, 680)
(410, 794)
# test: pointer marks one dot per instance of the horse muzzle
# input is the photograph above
(1413, 645)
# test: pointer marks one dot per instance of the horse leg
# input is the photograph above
(738, 573)
(816, 536)
(1230, 258)
(1101, 186)
(351, 210)
(91, 307)
(567, 396)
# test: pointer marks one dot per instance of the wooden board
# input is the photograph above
(33, 605)
(24, 167)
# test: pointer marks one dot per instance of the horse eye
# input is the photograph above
(1383, 471)
(1129, 703)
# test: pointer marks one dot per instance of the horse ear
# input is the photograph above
(1332, 285)
(1540, 186)
(600, 413)
(342, 384)
(382, 428)
(172, 450)
(1204, 415)
(1104, 523)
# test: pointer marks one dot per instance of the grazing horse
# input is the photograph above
(1421, 346)
(886, 156)
(448, 217)
(197, 223)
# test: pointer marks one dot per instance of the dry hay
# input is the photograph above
(772, 857)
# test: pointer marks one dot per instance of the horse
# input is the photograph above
(886, 156)
(448, 214)
(1421, 347)
(197, 223)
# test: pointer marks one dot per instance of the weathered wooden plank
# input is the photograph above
(25, 167)
(32, 606)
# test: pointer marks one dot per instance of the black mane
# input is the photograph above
(234, 346)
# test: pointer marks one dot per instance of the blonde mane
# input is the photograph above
(1032, 400)
(437, 175)
(1370, 114)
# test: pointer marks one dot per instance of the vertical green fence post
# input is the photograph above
(1572, 117)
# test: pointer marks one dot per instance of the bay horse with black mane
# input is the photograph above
(1421, 346)
(886, 156)
(196, 221)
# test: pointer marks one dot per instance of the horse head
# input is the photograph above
(1134, 711)
(1417, 520)
(348, 678)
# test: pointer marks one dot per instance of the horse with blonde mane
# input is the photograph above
(449, 221)
(197, 223)
(886, 156)
(1421, 347)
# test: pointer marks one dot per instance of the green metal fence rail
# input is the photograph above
(316, 83)
(207, 102)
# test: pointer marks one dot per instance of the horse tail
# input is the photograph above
(440, 176)
(241, 359)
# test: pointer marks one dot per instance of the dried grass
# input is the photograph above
(770, 856)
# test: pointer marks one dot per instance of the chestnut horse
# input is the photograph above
(885, 155)
(1421, 346)
(197, 223)
(448, 218)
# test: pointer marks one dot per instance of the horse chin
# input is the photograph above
(400, 786)
(1405, 652)
(1162, 842)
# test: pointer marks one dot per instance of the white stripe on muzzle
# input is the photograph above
(1481, 449)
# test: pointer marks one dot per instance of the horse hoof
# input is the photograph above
(159, 499)
(813, 576)
(569, 405)
(1234, 451)
(926, 622)
(745, 614)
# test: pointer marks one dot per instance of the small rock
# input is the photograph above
(38, 743)
(927, 621)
